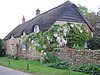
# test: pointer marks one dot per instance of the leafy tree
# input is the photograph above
(1, 43)
(2, 51)
(83, 9)
(93, 17)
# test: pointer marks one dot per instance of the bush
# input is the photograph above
(52, 61)
(94, 43)
(59, 65)
(93, 69)
(77, 36)
(1, 43)
(51, 58)
(2, 51)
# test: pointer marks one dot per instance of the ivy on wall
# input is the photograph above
(77, 35)
(57, 36)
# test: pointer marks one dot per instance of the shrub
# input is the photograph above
(88, 68)
(1, 43)
(2, 51)
(52, 61)
(77, 36)
(94, 43)
(59, 65)
(51, 58)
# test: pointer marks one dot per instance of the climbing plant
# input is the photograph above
(77, 36)
(58, 36)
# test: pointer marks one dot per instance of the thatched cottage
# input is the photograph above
(66, 12)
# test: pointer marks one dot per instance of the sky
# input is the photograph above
(12, 11)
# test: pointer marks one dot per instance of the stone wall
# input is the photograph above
(31, 54)
(79, 56)
(69, 55)
(8, 45)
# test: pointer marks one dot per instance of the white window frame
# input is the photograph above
(23, 33)
(23, 47)
(12, 46)
(36, 29)
(12, 37)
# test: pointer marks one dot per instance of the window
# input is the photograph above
(12, 37)
(23, 33)
(23, 47)
(12, 46)
(36, 29)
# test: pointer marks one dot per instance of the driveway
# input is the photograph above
(8, 71)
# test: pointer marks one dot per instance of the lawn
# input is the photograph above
(34, 67)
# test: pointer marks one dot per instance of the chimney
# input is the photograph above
(23, 20)
(37, 12)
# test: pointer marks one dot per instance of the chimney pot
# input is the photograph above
(37, 12)
(23, 19)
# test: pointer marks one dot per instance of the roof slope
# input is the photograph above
(67, 11)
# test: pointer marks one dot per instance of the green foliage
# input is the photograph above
(1, 43)
(94, 43)
(93, 17)
(59, 65)
(58, 36)
(77, 36)
(51, 58)
(45, 39)
(52, 61)
(83, 9)
(76, 46)
(36, 68)
(88, 68)
(2, 51)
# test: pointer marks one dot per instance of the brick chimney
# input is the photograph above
(37, 12)
(23, 20)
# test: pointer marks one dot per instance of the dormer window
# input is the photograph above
(23, 33)
(36, 29)
(12, 37)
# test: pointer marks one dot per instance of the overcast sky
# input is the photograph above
(11, 11)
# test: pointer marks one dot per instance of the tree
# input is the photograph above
(93, 17)
(90, 15)
(2, 51)
(83, 9)
(1, 43)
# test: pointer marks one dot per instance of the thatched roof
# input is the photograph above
(67, 11)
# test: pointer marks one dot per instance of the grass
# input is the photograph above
(34, 67)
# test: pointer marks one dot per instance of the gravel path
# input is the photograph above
(8, 71)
